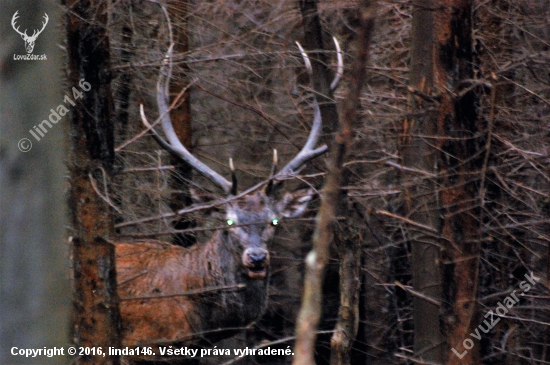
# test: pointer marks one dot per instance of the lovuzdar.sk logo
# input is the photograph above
(29, 40)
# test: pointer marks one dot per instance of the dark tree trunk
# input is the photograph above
(347, 325)
(322, 76)
(181, 120)
(96, 315)
(420, 192)
(457, 145)
(313, 40)
(332, 199)
(123, 96)
(439, 144)
(350, 246)
(124, 90)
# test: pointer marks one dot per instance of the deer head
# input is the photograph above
(29, 40)
(250, 222)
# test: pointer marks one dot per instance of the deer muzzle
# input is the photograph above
(256, 260)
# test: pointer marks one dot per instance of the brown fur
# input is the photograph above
(176, 276)
(174, 295)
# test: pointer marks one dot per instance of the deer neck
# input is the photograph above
(235, 299)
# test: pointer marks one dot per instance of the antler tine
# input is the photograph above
(275, 162)
(233, 177)
(269, 187)
(308, 152)
(340, 67)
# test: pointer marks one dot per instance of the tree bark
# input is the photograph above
(345, 331)
(439, 138)
(313, 41)
(95, 306)
(182, 122)
(420, 194)
(324, 231)
(349, 248)
(457, 126)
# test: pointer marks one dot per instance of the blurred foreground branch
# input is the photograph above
(324, 231)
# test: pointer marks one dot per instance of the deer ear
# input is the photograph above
(294, 204)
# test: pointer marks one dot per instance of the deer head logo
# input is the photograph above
(29, 40)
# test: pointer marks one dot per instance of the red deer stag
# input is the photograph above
(175, 295)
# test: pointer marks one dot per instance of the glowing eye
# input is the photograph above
(230, 222)
(274, 222)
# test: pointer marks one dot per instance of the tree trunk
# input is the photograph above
(181, 120)
(322, 74)
(458, 195)
(345, 331)
(96, 315)
(438, 143)
(313, 40)
(420, 192)
(324, 231)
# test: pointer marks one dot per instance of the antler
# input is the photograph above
(174, 145)
(13, 19)
(308, 152)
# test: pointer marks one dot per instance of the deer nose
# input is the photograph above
(256, 257)
(256, 260)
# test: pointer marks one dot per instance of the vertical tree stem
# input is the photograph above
(95, 312)
(316, 260)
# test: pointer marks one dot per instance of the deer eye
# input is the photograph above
(275, 222)
(230, 222)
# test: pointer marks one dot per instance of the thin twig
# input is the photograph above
(406, 220)
(105, 197)
(418, 294)
(188, 293)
